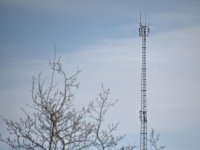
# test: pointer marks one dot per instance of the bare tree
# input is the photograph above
(56, 124)
(154, 138)
(104, 138)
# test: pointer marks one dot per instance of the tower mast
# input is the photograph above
(143, 33)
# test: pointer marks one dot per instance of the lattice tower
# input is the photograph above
(143, 33)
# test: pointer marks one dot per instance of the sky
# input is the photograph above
(101, 39)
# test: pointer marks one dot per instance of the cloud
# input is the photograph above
(174, 83)
(173, 71)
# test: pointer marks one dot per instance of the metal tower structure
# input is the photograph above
(143, 33)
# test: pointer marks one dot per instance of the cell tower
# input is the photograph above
(143, 32)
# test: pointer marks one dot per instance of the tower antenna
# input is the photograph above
(143, 32)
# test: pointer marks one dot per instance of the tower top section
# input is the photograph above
(144, 29)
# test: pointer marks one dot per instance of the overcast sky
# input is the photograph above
(100, 37)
